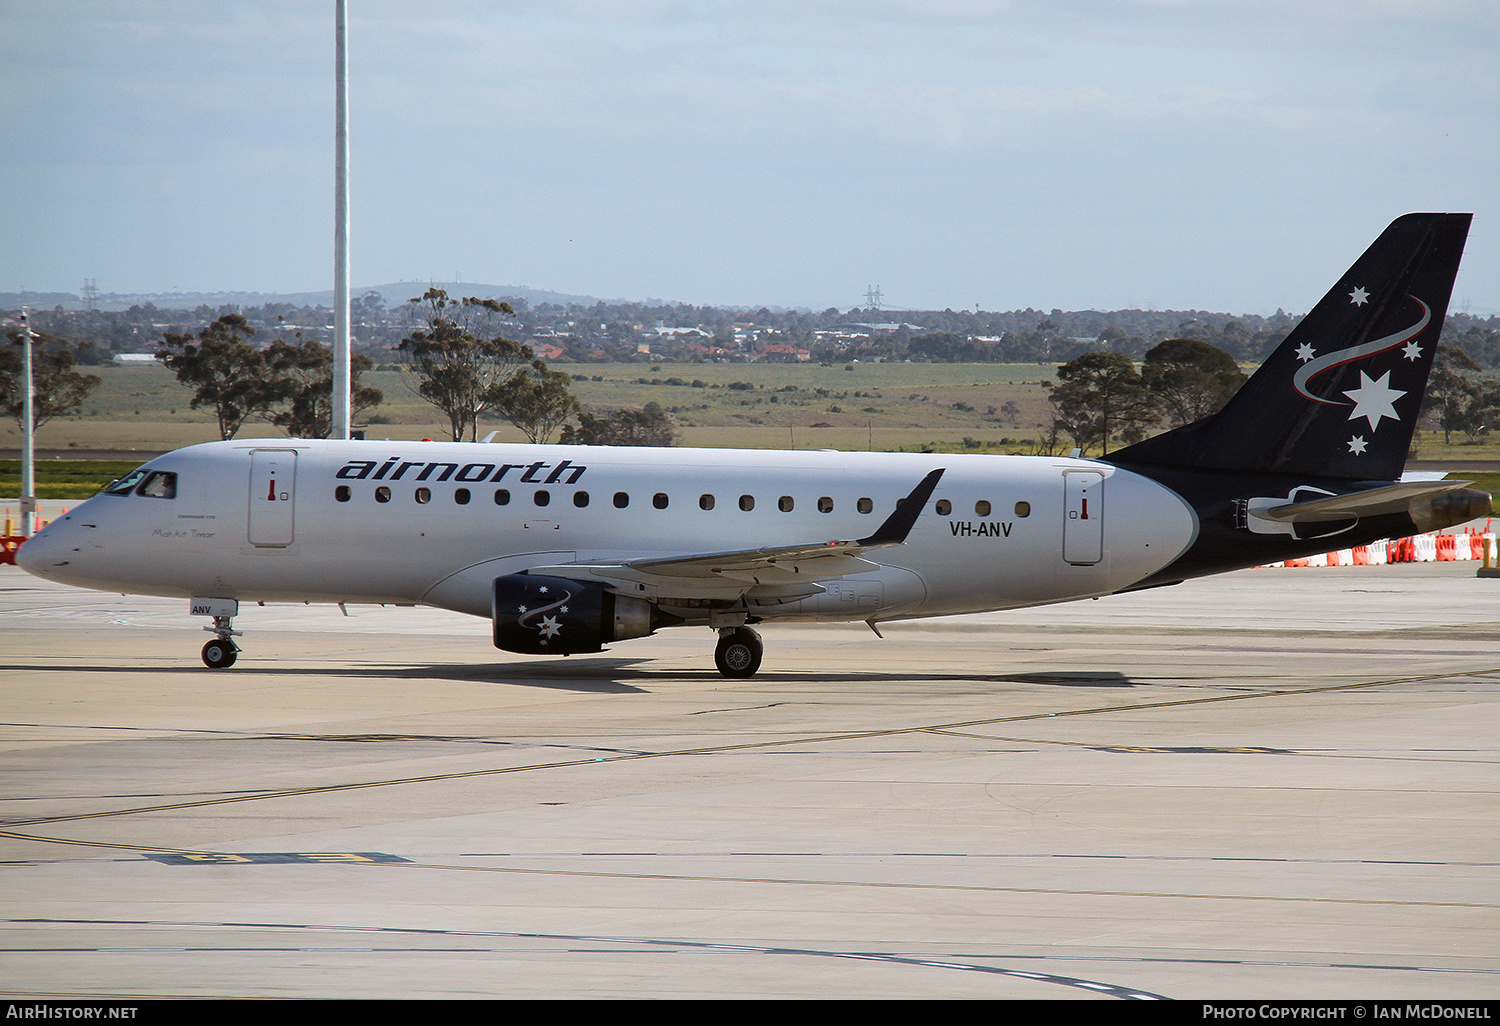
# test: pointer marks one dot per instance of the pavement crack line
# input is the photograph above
(700, 750)
(642, 944)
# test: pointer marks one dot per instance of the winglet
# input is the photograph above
(898, 525)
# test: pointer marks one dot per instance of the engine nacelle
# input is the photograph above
(555, 615)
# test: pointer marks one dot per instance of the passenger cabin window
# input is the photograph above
(944, 507)
(622, 500)
(424, 495)
(461, 496)
(785, 504)
(1023, 509)
(659, 500)
(864, 505)
(705, 501)
(982, 508)
(159, 484)
(747, 502)
(342, 493)
(825, 505)
(382, 494)
(580, 499)
(502, 496)
(542, 497)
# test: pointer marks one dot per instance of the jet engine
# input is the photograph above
(539, 615)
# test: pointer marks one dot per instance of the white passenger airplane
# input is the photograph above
(566, 549)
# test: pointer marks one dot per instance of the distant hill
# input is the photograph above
(394, 294)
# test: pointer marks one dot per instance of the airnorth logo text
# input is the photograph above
(394, 469)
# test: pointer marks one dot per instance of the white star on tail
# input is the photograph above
(1305, 352)
(1359, 297)
(1357, 445)
(1411, 350)
(1374, 400)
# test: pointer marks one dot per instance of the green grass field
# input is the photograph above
(64, 479)
(882, 406)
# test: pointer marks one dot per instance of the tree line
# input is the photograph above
(1101, 396)
(464, 366)
(467, 369)
(613, 331)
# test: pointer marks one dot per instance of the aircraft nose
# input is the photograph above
(43, 551)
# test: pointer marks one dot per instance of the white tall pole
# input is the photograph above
(28, 420)
(341, 229)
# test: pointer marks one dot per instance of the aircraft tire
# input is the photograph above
(738, 653)
(219, 655)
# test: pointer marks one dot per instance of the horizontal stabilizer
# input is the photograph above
(1396, 498)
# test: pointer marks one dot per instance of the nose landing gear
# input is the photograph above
(738, 652)
(220, 653)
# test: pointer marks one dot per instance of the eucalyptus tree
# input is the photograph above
(457, 366)
(1101, 396)
(536, 400)
(302, 380)
(1191, 378)
(57, 388)
(227, 374)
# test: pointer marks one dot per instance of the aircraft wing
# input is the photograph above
(784, 571)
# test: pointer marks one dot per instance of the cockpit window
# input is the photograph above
(126, 484)
(159, 484)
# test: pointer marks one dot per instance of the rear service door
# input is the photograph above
(273, 488)
(1083, 530)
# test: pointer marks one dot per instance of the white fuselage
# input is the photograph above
(297, 520)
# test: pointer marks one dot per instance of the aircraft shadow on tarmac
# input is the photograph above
(606, 676)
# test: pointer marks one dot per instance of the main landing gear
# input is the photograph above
(220, 653)
(738, 652)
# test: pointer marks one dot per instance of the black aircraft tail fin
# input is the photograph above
(1340, 397)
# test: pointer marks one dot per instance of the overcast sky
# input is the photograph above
(1231, 156)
